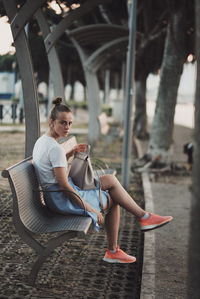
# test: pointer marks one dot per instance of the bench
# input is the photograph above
(32, 218)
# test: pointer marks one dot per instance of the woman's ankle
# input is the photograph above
(113, 248)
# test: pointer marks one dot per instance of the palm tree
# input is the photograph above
(177, 48)
(152, 20)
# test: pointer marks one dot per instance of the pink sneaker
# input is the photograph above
(118, 257)
(154, 221)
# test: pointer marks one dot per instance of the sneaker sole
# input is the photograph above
(116, 261)
(154, 226)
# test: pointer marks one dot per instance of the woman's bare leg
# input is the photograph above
(112, 222)
(120, 196)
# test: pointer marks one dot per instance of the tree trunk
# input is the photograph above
(194, 239)
(94, 108)
(171, 70)
(140, 122)
(71, 97)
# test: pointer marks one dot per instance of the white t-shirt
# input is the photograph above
(48, 154)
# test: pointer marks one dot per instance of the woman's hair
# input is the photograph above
(58, 107)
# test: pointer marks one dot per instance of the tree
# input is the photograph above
(7, 62)
(152, 21)
(175, 54)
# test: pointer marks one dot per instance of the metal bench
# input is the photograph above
(32, 218)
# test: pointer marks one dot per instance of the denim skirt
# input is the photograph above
(57, 201)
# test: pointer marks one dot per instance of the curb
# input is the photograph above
(148, 269)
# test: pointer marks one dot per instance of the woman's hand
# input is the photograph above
(60, 174)
(100, 218)
(81, 147)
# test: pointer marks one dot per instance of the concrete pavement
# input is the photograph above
(165, 249)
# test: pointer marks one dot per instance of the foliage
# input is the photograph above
(75, 105)
(107, 109)
(84, 105)
(114, 12)
(7, 63)
(152, 19)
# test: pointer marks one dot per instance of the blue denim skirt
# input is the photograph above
(58, 202)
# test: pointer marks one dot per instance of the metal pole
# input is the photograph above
(128, 109)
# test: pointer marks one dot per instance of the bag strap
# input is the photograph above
(101, 202)
(100, 198)
(100, 191)
(64, 190)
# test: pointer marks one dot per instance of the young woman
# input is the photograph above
(52, 169)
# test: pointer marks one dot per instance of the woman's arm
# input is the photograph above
(61, 176)
(82, 147)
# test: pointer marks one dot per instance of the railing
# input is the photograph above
(14, 113)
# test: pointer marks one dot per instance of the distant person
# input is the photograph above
(188, 150)
(52, 169)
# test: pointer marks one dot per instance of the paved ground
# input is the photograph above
(166, 258)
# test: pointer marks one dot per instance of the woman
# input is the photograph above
(52, 169)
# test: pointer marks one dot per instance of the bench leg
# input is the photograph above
(51, 245)
(35, 269)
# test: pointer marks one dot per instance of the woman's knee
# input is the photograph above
(108, 181)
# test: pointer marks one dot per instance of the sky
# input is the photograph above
(6, 37)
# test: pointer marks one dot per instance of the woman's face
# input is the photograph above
(62, 124)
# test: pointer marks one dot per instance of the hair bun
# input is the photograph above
(57, 101)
